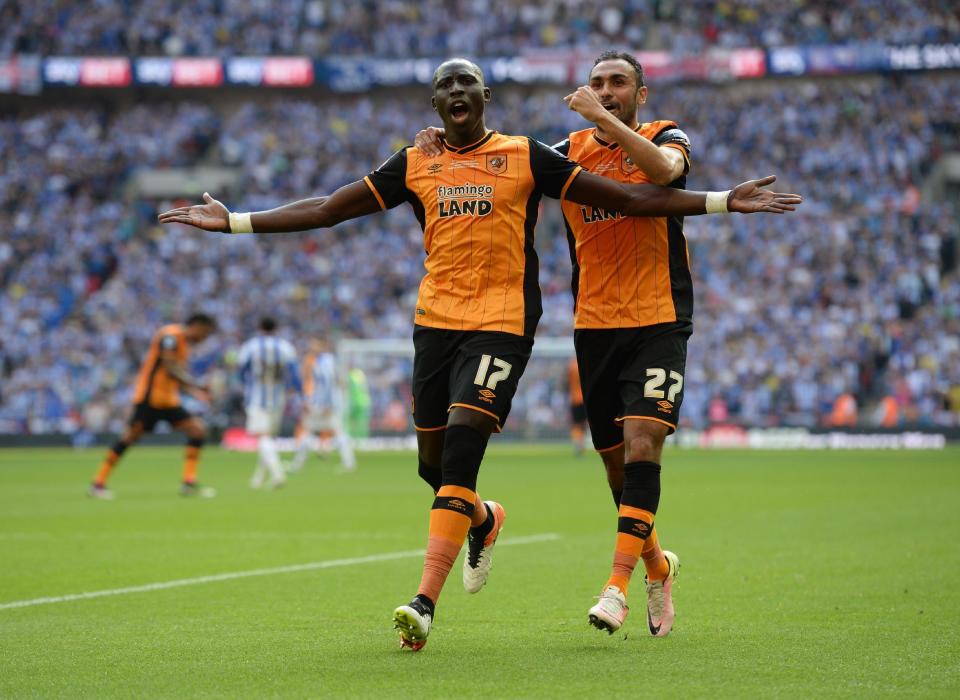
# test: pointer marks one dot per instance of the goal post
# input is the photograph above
(541, 406)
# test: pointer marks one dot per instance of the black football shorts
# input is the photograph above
(150, 416)
(631, 373)
(476, 369)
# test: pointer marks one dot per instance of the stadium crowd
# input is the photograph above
(391, 28)
(858, 293)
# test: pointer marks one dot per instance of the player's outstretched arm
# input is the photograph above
(652, 200)
(349, 202)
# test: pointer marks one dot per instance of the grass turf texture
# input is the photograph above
(803, 573)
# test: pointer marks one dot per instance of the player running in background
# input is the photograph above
(479, 302)
(324, 408)
(268, 365)
(156, 398)
(578, 412)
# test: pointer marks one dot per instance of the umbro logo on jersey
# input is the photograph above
(435, 168)
(665, 407)
(487, 395)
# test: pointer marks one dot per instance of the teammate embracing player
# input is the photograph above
(633, 316)
(479, 301)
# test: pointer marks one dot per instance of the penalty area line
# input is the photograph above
(232, 575)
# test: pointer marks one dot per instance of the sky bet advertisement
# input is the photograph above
(31, 74)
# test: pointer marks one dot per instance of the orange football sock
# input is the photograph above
(449, 523)
(633, 529)
(106, 467)
(191, 456)
(653, 560)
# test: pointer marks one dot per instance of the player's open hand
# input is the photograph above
(585, 102)
(210, 216)
(749, 198)
(429, 141)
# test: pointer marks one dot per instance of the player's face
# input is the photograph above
(459, 95)
(615, 83)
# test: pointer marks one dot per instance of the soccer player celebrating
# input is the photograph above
(157, 398)
(633, 316)
(324, 409)
(479, 302)
(268, 365)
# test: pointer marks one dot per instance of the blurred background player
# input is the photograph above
(578, 412)
(156, 398)
(268, 365)
(324, 407)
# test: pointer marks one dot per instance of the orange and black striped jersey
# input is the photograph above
(477, 206)
(628, 272)
(155, 387)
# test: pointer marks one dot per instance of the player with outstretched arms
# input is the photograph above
(633, 299)
(479, 301)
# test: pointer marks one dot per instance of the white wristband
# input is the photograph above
(241, 223)
(716, 202)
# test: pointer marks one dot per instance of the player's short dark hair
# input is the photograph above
(623, 56)
(268, 324)
(203, 320)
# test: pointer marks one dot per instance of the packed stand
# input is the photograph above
(858, 293)
(394, 29)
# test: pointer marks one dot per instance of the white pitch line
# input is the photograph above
(292, 569)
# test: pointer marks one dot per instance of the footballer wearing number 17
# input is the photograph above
(479, 301)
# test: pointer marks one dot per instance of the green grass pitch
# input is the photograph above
(803, 574)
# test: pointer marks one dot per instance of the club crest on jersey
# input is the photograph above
(464, 200)
(496, 164)
(626, 163)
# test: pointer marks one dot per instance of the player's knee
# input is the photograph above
(463, 450)
(645, 443)
(480, 422)
(197, 430)
(431, 474)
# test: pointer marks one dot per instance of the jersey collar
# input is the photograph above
(472, 147)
